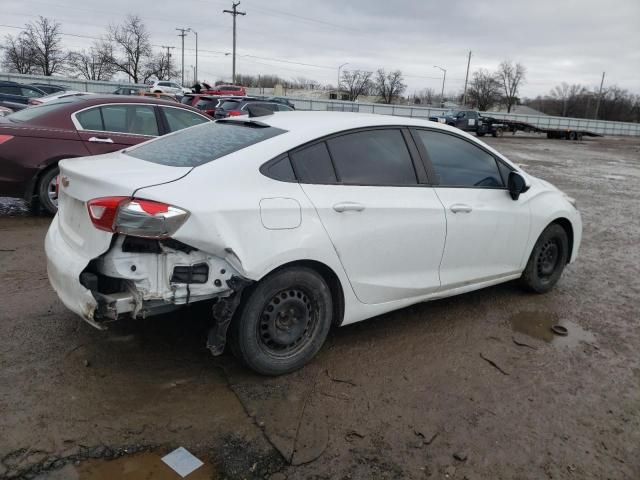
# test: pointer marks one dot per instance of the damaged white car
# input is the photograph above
(290, 223)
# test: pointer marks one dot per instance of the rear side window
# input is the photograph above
(178, 118)
(202, 144)
(281, 170)
(374, 157)
(458, 163)
(90, 119)
(137, 119)
(10, 89)
(30, 92)
(313, 164)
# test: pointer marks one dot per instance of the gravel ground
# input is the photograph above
(468, 387)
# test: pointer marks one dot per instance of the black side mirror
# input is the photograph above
(516, 185)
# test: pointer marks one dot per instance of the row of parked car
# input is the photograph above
(38, 128)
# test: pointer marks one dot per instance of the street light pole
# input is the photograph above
(444, 77)
(338, 84)
(182, 34)
(235, 13)
(196, 70)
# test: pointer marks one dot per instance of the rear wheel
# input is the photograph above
(547, 260)
(48, 191)
(283, 322)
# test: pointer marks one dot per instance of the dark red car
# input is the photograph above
(33, 140)
(226, 90)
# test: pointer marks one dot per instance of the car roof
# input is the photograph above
(110, 98)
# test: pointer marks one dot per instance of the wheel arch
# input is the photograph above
(329, 276)
(47, 165)
(565, 223)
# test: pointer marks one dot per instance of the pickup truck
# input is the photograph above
(470, 121)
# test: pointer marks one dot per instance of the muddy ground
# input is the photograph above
(470, 387)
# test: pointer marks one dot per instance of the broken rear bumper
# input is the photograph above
(64, 265)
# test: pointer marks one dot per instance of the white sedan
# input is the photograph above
(289, 223)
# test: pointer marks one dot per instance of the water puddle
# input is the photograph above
(538, 325)
(141, 466)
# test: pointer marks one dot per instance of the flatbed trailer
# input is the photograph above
(481, 125)
(513, 126)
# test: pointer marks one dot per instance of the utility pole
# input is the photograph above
(195, 75)
(338, 84)
(599, 97)
(444, 77)
(466, 79)
(168, 61)
(182, 34)
(235, 13)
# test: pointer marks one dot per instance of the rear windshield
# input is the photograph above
(230, 105)
(204, 103)
(37, 111)
(201, 144)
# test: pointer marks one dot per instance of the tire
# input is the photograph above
(480, 134)
(47, 194)
(283, 321)
(547, 260)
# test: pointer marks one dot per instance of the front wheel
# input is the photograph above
(48, 190)
(283, 322)
(547, 260)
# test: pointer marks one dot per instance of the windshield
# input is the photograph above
(38, 111)
(201, 144)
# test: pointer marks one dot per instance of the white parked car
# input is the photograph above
(290, 223)
(163, 86)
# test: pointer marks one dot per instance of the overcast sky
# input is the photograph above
(557, 40)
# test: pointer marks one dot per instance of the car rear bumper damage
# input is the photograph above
(137, 278)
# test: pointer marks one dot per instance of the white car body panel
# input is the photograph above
(385, 257)
(500, 229)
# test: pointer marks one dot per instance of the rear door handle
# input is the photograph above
(348, 207)
(100, 140)
(460, 208)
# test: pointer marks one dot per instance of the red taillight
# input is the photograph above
(5, 138)
(135, 216)
(210, 111)
(234, 113)
(103, 212)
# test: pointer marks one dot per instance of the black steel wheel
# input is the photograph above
(547, 260)
(282, 321)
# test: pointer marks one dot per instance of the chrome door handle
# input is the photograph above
(348, 207)
(460, 208)
(100, 140)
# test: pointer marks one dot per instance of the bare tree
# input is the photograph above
(510, 76)
(18, 55)
(131, 45)
(356, 82)
(161, 67)
(95, 63)
(45, 40)
(425, 96)
(389, 85)
(567, 95)
(484, 89)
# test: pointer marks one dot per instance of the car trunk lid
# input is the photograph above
(115, 174)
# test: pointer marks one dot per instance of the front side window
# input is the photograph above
(374, 157)
(178, 118)
(459, 163)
